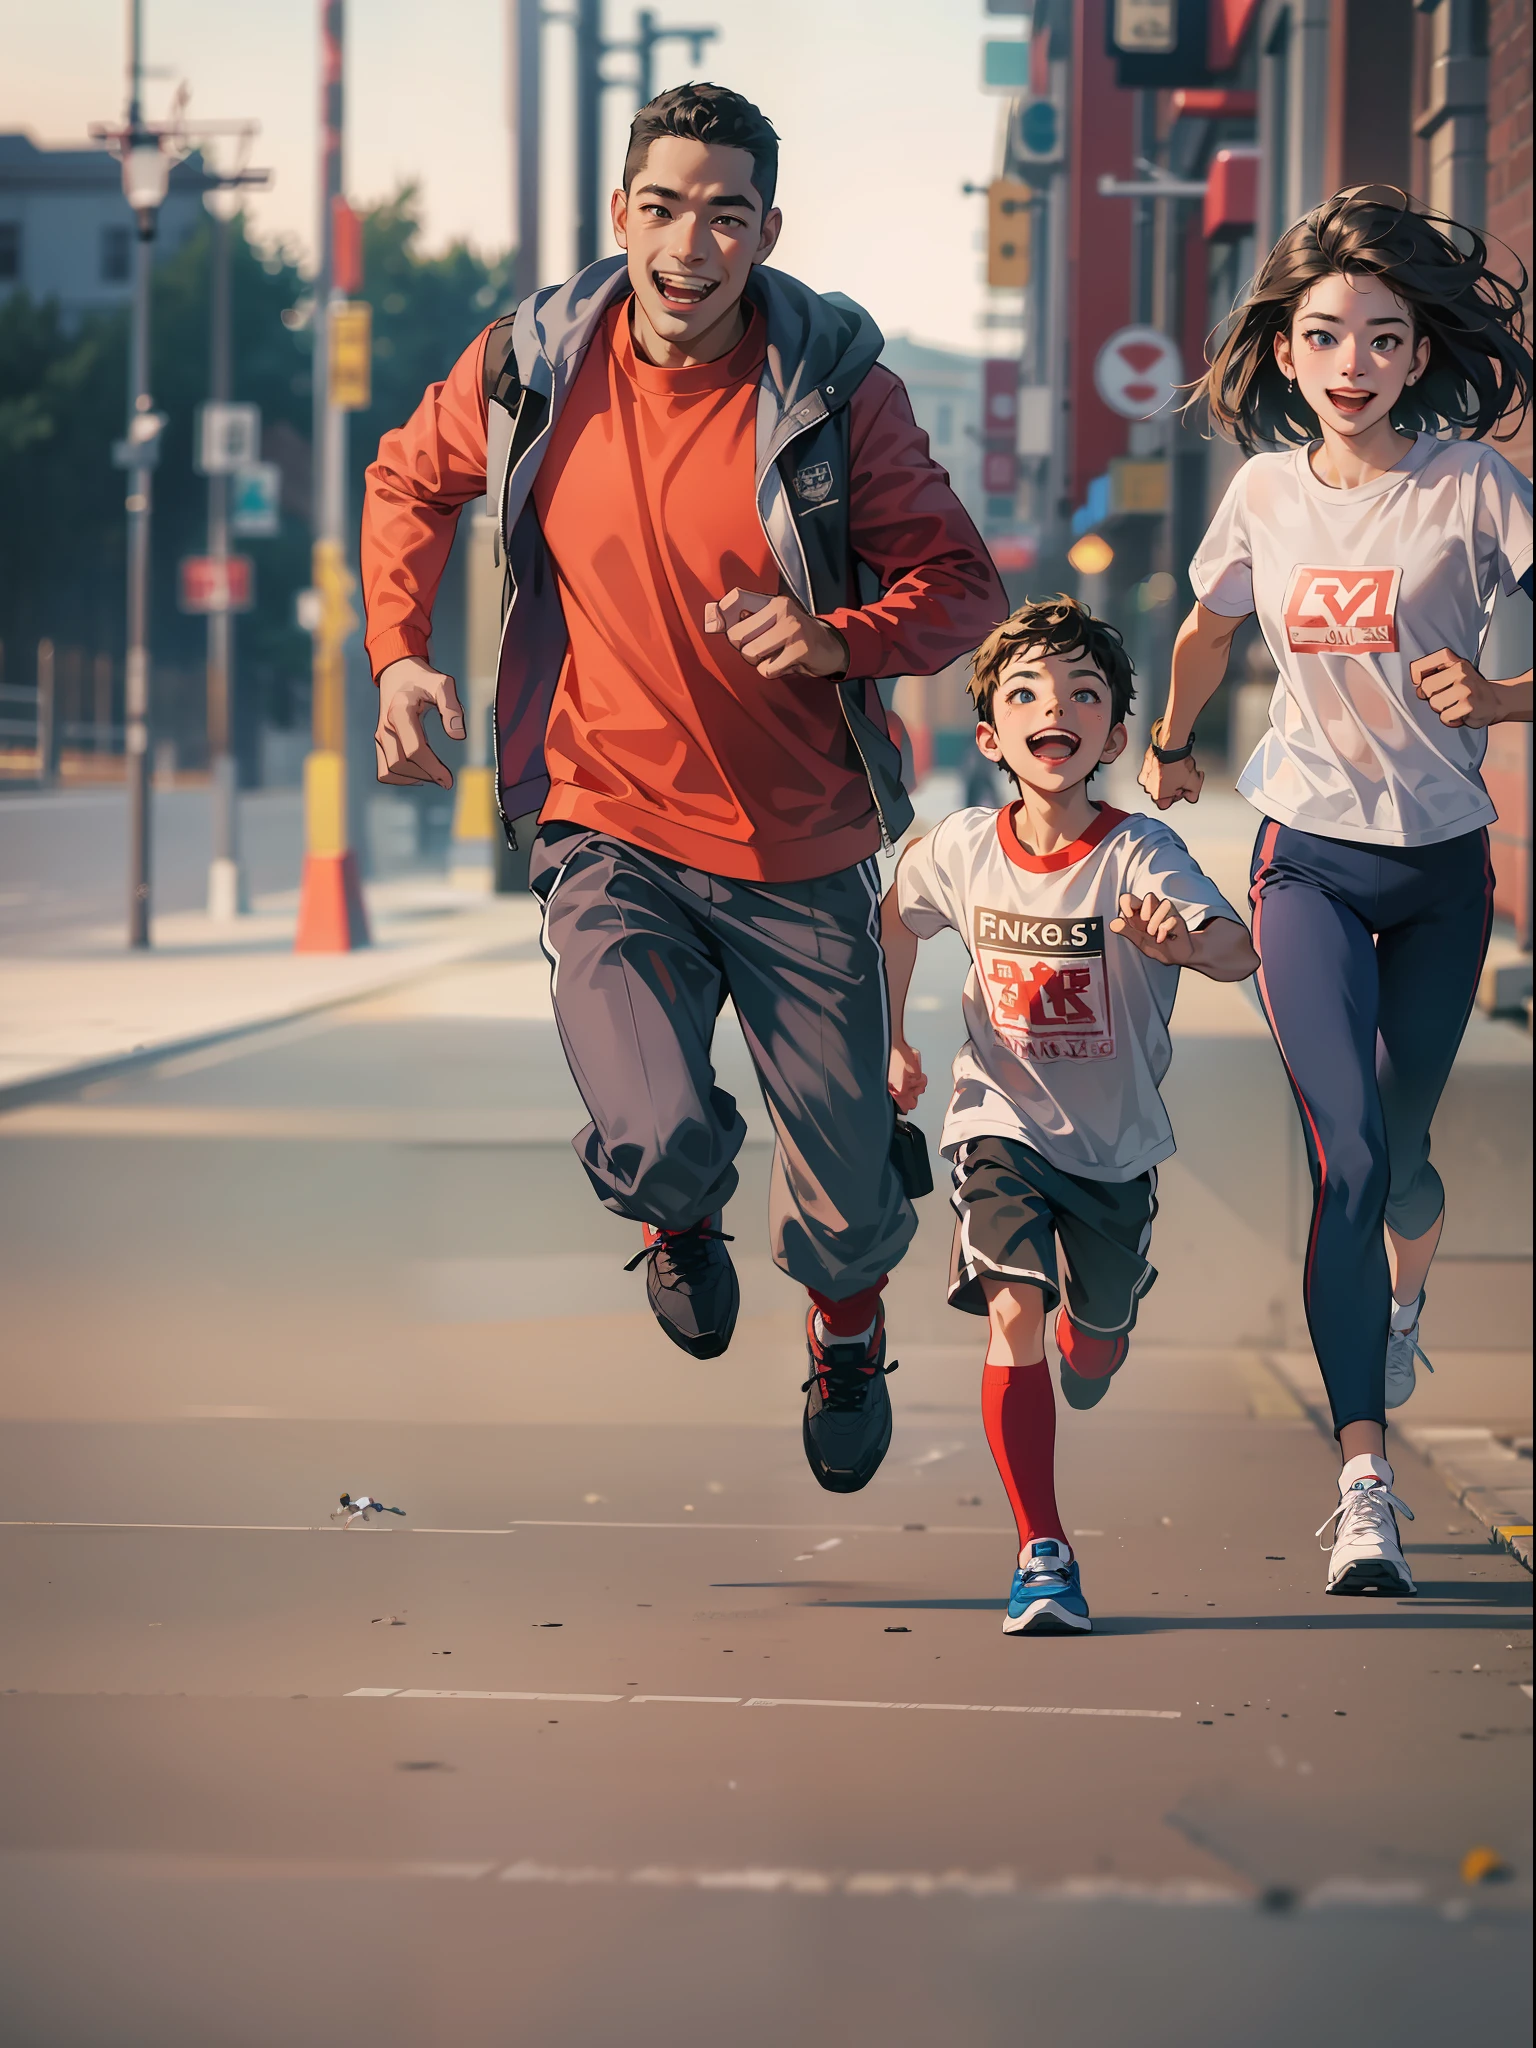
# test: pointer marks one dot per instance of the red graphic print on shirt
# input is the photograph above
(1329, 610)
(1047, 992)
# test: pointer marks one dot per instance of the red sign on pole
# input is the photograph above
(212, 584)
(346, 248)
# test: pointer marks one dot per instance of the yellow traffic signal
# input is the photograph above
(350, 326)
(1008, 234)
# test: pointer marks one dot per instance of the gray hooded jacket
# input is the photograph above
(819, 349)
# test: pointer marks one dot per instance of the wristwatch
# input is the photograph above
(1168, 755)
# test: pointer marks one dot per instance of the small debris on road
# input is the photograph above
(593, 1500)
(831, 1543)
(899, 1629)
(424, 1766)
(387, 1621)
(1484, 1866)
(549, 1624)
(360, 1509)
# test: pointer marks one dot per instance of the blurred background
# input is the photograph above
(1011, 189)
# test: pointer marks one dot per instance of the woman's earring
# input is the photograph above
(1290, 385)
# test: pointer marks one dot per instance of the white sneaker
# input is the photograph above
(1403, 1347)
(1366, 1551)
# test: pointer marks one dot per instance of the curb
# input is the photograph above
(1488, 1476)
(40, 1087)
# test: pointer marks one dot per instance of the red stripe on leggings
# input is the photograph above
(1256, 897)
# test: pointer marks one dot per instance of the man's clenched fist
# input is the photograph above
(783, 639)
(406, 688)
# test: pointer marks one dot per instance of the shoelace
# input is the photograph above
(1040, 1569)
(681, 1255)
(1410, 1337)
(1367, 1502)
(845, 1380)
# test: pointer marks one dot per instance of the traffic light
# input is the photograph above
(1008, 234)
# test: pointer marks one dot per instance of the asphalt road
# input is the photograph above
(624, 1729)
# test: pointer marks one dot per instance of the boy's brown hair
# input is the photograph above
(1054, 625)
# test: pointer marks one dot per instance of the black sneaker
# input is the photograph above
(847, 1428)
(691, 1285)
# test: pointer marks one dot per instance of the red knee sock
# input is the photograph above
(854, 1314)
(1018, 1412)
(1091, 1358)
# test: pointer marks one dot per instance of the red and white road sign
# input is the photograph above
(209, 584)
(1137, 372)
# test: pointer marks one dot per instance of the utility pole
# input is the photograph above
(331, 914)
(591, 49)
(226, 886)
(589, 123)
(525, 46)
(146, 175)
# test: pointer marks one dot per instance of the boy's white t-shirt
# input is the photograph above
(1350, 587)
(1067, 1022)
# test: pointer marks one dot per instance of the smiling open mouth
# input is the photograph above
(1054, 746)
(683, 291)
(1350, 401)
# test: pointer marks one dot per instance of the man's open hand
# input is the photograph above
(784, 639)
(1455, 690)
(406, 688)
(1155, 928)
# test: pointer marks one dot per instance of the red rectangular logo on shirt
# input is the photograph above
(1345, 610)
(1046, 988)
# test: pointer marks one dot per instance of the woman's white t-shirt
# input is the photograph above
(1350, 587)
(1066, 1022)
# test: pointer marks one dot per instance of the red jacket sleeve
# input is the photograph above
(424, 472)
(942, 594)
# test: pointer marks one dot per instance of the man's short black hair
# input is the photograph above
(707, 113)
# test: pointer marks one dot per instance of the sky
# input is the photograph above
(877, 102)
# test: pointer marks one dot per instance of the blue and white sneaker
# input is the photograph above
(1047, 1598)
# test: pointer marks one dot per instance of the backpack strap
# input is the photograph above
(503, 398)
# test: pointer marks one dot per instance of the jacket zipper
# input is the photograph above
(886, 842)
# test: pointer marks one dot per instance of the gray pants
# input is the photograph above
(644, 954)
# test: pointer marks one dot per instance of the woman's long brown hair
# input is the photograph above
(1479, 369)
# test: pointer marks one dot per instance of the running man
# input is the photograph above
(721, 524)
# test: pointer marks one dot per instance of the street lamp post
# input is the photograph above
(146, 175)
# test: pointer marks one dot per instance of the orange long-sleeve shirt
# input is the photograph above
(659, 734)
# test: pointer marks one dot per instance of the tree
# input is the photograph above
(62, 407)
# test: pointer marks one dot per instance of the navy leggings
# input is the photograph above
(1369, 962)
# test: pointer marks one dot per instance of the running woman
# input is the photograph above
(1381, 346)
(1078, 919)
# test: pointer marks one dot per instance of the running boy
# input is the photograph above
(1078, 919)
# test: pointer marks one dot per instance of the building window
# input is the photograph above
(10, 249)
(946, 426)
(116, 255)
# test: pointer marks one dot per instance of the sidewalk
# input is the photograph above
(95, 1005)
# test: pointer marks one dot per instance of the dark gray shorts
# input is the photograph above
(1012, 1206)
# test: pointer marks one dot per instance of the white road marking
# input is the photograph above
(423, 1692)
(762, 1879)
(321, 1529)
(382, 1692)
